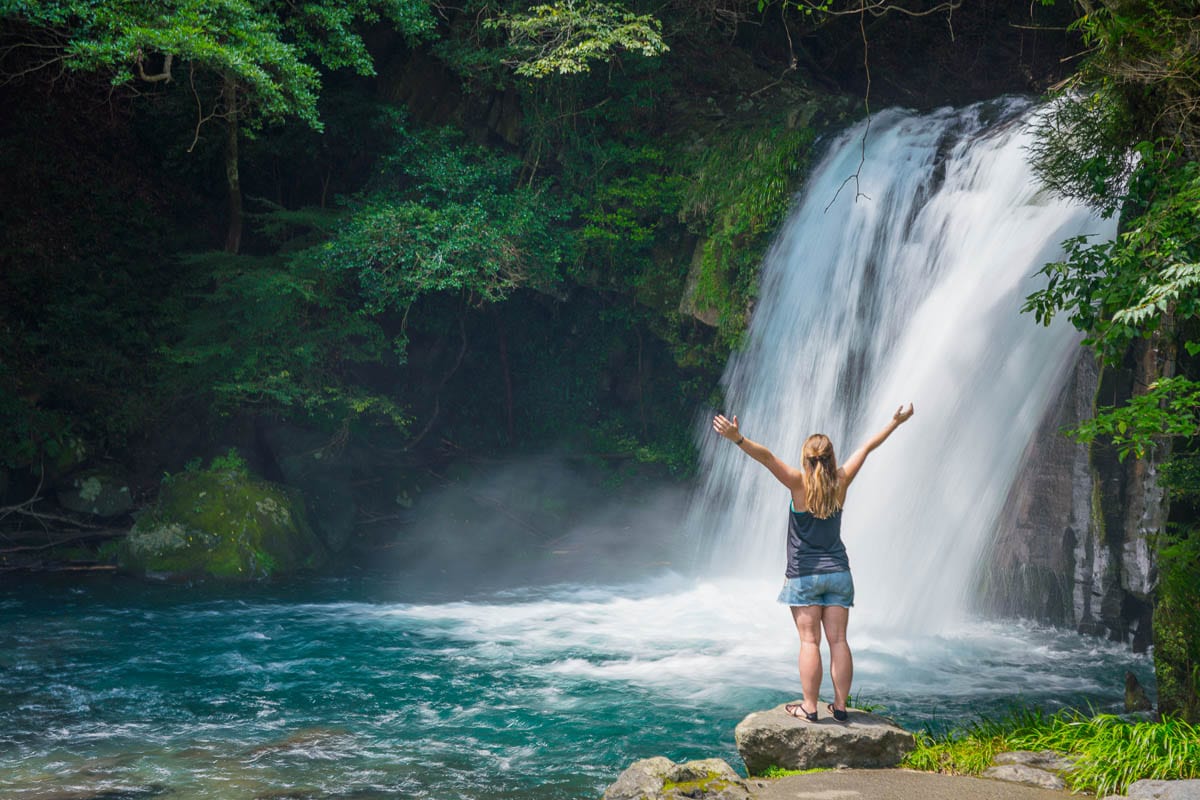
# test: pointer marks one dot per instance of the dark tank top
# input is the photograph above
(814, 546)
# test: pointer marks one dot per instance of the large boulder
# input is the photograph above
(221, 524)
(775, 738)
(102, 492)
(660, 778)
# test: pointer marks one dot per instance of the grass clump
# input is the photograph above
(779, 772)
(1109, 752)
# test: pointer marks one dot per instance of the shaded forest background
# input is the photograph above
(421, 251)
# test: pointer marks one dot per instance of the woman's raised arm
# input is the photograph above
(854, 463)
(786, 474)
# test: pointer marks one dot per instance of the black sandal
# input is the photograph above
(790, 708)
(840, 716)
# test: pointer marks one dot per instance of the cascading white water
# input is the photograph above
(908, 289)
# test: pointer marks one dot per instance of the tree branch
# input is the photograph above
(165, 75)
(866, 104)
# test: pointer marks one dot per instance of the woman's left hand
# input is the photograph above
(902, 414)
(727, 427)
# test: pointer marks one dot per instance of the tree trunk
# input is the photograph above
(233, 235)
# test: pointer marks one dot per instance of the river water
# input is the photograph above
(394, 684)
(345, 689)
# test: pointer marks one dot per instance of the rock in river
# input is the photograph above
(221, 524)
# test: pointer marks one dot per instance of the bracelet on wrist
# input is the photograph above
(739, 441)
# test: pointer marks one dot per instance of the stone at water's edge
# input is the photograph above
(1046, 760)
(1022, 773)
(1164, 790)
(660, 778)
(225, 525)
(776, 738)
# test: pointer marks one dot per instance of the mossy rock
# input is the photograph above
(221, 524)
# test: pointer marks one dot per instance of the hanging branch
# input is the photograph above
(878, 8)
(867, 105)
(99, 533)
(25, 508)
(793, 62)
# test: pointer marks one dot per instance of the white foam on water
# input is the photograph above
(713, 640)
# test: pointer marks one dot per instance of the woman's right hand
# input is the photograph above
(727, 427)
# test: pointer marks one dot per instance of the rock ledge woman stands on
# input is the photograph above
(818, 586)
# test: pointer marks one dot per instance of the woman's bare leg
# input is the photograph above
(841, 664)
(808, 625)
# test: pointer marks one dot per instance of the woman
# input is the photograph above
(818, 585)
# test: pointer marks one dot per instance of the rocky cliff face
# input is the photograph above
(1075, 545)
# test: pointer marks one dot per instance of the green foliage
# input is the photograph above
(1177, 623)
(773, 772)
(1109, 752)
(303, 330)
(743, 187)
(628, 208)
(31, 435)
(1081, 148)
(1117, 291)
(1131, 141)
(566, 37)
(270, 51)
(277, 333)
(1146, 282)
(966, 755)
(1181, 477)
(386, 255)
(230, 462)
(445, 216)
(1169, 407)
(1142, 53)
(626, 195)
(863, 704)
(676, 453)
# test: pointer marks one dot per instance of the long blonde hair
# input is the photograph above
(820, 476)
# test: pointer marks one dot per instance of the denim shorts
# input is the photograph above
(826, 589)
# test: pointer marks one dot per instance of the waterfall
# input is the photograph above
(902, 284)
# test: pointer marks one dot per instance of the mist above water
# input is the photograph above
(904, 284)
(535, 521)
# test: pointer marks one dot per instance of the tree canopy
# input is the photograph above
(274, 51)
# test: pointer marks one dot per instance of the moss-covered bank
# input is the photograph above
(222, 524)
